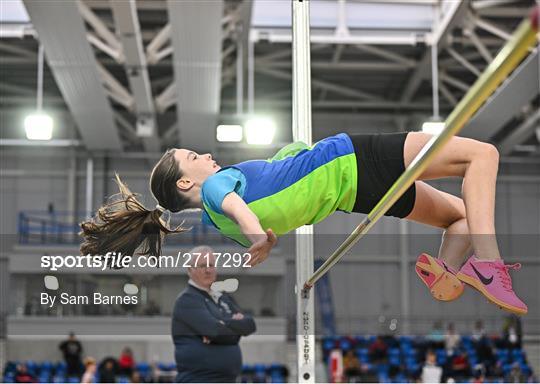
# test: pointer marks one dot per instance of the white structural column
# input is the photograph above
(251, 76)
(240, 78)
(405, 279)
(305, 324)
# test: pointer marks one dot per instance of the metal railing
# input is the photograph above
(62, 228)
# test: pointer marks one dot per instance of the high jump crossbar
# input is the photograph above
(503, 64)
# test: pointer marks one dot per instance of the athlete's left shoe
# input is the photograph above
(440, 279)
(492, 279)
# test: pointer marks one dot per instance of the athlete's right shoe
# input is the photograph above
(492, 279)
(440, 279)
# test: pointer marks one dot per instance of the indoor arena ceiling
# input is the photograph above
(150, 74)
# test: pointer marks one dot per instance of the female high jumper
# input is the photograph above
(253, 201)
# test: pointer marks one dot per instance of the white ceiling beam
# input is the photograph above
(117, 90)
(126, 128)
(386, 54)
(126, 103)
(112, 52)
(143, 5)
(167, 98)
(284, 53)
(491, 28)
(99, 26)
(483, 4)
(339, 89)
(162, 54)
(275, 55)
(321, 37)
(453, 17)
(421, 72)
(383, 66)
(517, 91)
(480, 46)
(466, 42)
(129, 30)
(456, 83)
(16, 88)
(424, 107)
(230, 49)
(473, 55)
(20, 51)
(16, 31)
(74, 67)
(463, 61)
(521, 133)
(338, 51)
(197, 69)
(156, 43)
(336, 57)
(448, 95)
(504, 12)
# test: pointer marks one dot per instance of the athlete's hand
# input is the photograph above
(260, 250)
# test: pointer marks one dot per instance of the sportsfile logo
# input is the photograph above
(113, 260)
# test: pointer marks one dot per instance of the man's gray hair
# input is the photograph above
(202, 249)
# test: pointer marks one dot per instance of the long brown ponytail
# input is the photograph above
(124, 225)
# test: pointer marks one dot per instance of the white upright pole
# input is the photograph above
(305, 323)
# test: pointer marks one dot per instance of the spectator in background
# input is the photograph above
(207, 326)
(23, 376)
(156, 372)
(436, 336)
(126, 363)
(459, 367)
(135, 377)
(451, 339)
(479, 331)
(351, 367)
(484, 350)
(515, 375)
(72, 351)
(431, 372)
(108, 369)
(486, 355)
(90, 369)
(512, 332)
(378, 350)
(335, 366)
(479, 375)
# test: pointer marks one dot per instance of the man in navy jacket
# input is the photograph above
(207, 326)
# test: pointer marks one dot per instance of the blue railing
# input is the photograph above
(62, 228)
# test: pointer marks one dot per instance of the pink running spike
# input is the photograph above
(438, 277)
(492, 279)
